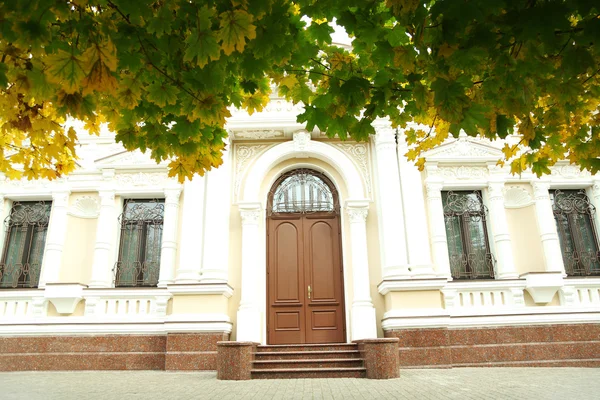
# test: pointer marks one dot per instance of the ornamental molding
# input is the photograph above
(259, 134)
(142, 179)
(250, 217)
(517, 197)
(127, 159)
(301, 141)
(462, 172)
(569, 172)
(359, 154)
(85, 207)
(464, 147)
(245, 154)
(25, 183)
(357, 214)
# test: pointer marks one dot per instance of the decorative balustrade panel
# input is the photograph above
(483, 297)
(13, 308)
(126, 305)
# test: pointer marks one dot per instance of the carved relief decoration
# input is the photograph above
(128, 158)
(259, 134)
(245, 154)
(463, 172)
(85, 207)
(517, 197)
(464, 148)
(359, 153)
(569, 172)
(143, 179)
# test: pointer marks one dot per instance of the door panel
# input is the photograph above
(285, 282)
(325, 319)
(304, 251)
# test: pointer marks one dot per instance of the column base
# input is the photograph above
(508, 275)
(187, 276)
(234, 360)
(395, 272)
(422, 270)
(214, 276)
(363, 321)
(381, 357)
(248, 325)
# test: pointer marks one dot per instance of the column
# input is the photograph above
(4, 213)
(415, 217)
(168, 250)
(595, 199)
(439, 242)
(102, 268)
(547, 227)
(192, 231)
(55, 238)
(218, 204)
(248, 315)
(503, 247)
(363, 321)
(393, 235)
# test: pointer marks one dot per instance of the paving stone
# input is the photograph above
(458, 383)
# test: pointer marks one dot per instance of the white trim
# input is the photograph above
(436, 318)
(405, 285)
(202, 288)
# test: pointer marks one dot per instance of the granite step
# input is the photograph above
(310, 364)
(305, 355)
(297, 373)
(307, 347)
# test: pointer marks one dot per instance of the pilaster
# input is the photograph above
(503, 247)
(439, 242)
(192, 231)
(363, 319)
(249, 316)
(169, 237)
(105, 237)
(547, 227)
(394, 258)
(55, 239)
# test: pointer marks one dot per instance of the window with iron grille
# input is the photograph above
(574, 216)
(141, 238)
(303, 191)
(26, 229)
(465, 217)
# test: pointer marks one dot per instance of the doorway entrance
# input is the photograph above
(305, 292)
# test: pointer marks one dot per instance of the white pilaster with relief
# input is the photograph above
(249, 316)
(106, 229)
(168, 251)
(192, 232)
(391, 215)
(503, 246)
(363, 321)
(55, 239)
(439, 241)
(547, 227)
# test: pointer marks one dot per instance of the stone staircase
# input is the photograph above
(307, 361)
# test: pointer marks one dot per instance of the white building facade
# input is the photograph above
(299, 238)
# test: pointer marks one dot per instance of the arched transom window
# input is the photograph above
(303, 191)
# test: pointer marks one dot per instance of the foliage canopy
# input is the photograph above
(163, 73)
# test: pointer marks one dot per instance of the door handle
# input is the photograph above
(309, 291)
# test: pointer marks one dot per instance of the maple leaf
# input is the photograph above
(161, 94)
(236, 27)
(66, 69)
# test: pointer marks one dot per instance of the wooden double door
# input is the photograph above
(305, 293)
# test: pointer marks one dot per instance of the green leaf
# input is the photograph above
(162, 94)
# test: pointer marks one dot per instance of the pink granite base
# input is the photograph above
(234, 360)
(193, 351)
(520, 346)
(380, 357)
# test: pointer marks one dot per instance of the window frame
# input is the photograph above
(577, 269)
(141, 250)
(8, 209)
(490, 259)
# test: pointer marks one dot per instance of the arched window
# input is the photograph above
(303, 191)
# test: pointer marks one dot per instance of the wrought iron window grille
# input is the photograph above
(574, 217)
(465, 217)
(303, 191)
(25, 240)
(140, 244)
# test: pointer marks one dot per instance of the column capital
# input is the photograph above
(434, 188)
(595, 188)
(172, 194)
(385, 135)
(107, 197)
(540, 190)
(357, 210)
(60, 198)
(496, 189)
(250, 212)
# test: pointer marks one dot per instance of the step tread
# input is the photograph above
(309, 360)
(262, 346)
(338, 369)
(307, 352)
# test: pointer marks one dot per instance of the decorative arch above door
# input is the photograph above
(305, 294)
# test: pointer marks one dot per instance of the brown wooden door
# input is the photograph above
(304, 251)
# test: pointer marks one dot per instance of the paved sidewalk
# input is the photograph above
(463, 384)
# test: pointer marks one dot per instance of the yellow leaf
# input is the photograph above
(100, 78)
(236, 26)
(446, 50)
